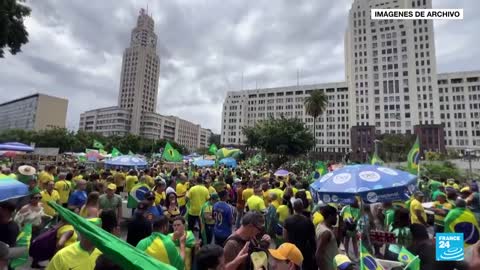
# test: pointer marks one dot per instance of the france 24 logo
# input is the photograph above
(449, 247)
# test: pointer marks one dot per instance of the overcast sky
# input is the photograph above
(75, 50)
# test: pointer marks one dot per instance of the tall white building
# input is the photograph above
(137, 98)
(391, 86)
(140, 72)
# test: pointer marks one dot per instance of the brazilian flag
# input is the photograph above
(376, 160)
(115, 152)
(320, 168)
(162, 248)
(23, 240)
(410, 260)
(137, 194)
(213, 149)
(97, 144)
(462, 220)
(367, 261)
(116, 249)
(171, 154)
(413, 158)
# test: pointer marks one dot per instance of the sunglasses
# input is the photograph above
(37, 197)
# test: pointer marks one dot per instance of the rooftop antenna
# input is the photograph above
(242, 82)
(298, 79)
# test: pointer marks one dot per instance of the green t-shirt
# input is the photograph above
(110, 203)
(34, 190)
(434, 185)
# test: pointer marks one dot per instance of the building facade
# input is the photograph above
(34, 112)
(391, 86)
(137, 98)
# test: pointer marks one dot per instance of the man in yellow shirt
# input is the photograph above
(196, 196)
(248, 191)
(255, 202)
(417, 212)
(278, 191)
(441, 207)
(49, 195)
(181, 191)
(131, 180)
(208, 185)
(63, 187)
(119, 180)
(46, 176)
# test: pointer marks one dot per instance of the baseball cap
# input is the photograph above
(287, 251)
(341, 262)
(112, 186)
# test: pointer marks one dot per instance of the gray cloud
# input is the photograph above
(75, 50)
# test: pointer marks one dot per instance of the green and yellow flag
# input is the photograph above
(116, 249)
(137, 194)
(171, 154)
(462, 220)
(321, 168)
(367, 261)
(23, 240)
(130, 153)
(115, 152)
(225, 152)
(376, 160)
(162, 248)
(411, 261)
(213, 149)
(97, 144)
(413, 158)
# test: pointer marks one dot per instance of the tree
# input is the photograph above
(214, 138)
(280, 137)
(395, 147)
(12, 30)
(315, 105)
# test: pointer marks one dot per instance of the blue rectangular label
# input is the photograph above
(449, 247)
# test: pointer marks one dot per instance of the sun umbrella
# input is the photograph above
(11, 189)
(15, 146)
(372, 183)
(229, 162)
(126, 160)
(281, 173)
(10, 154)
(203, 163)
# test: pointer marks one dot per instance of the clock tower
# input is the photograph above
(140, 72)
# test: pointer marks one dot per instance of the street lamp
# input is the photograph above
(469, 156)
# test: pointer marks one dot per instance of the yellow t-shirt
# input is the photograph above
(149, 181)
(130, 182)
(275, 204)
(63, 188)
(74, 257)
(212, 190)
(283, 213)
(197, 196)
(181, 191)
(44, 178)
(416, 205)
(64, 229)
(295, 190)
(279, 193)
(119, 179)
(265, 196)
(317, 218)
(159, 197)
(46, 197)
(247, 193)
(255, 203)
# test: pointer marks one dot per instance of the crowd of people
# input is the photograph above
(222, 218)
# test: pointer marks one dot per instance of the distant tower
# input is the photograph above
(140, 72)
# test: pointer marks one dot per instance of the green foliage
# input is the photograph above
(12, 29)
(440, 170)
(214, 138)
(433, 156)
(283, 137)
(395, 147)
(315, 105)
(69, 141)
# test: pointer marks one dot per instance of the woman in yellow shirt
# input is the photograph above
(131, 180)
(91, 208)
(66, 235)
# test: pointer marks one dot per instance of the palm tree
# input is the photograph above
(315, 105)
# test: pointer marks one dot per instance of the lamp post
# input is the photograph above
(468, 156)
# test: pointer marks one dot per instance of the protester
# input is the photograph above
(63, 187)
(207, 221)
(196, 196)
(250, 231)
(8, 227)
(66, 234)
(159, 190)
(299, 231)
(224, 218)
(417, 212)
(111, 201)
(440, 207)
(78, 197)
(49, 195)
(287, 256)
(240, 203)
(171, 186)
(171, 207)
(400, 228)
(350, 215)
(139, 227)
(191, 244)
(91, 209)
(161, 246)
(153, 211)
(32, 213)
(119, 178)
(46, 176)
(181, 191)
(326, 249)
(131, 180)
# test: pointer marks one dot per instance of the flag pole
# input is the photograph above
(408, 264)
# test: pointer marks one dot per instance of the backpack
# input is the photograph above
(43, 247)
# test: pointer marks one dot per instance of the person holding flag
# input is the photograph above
(413, 158)
(213, 149)
(171, 154)
(462, 220)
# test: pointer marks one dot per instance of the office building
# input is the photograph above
(34, 112)
(391, 86)
(137, 98)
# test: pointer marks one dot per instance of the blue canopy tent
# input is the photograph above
(371, 182)
(11, 189)
(229, 162)
(15, 146)
(126, 161)
(203, 163)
